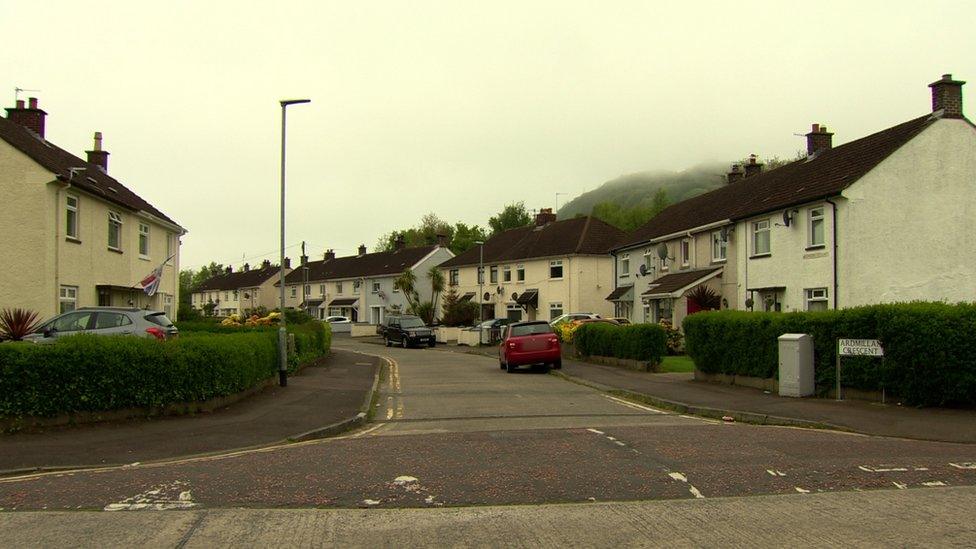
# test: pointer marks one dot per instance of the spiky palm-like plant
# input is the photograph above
(436, 287)
(705, 297)
(17, 323)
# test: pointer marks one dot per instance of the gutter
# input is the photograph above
(657, 239)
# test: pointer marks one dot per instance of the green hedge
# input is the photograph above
(647, 342)
(312, 339)
(930, 348)
(95, 373)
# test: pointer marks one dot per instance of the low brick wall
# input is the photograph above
(362, 330)
(628, 363)
(771, 385)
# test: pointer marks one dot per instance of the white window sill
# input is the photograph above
(145, 258)
(560, 278)
(719, 260)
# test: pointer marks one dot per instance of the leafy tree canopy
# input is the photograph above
(514, 215)
(460, 236)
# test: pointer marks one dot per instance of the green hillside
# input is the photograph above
(638, 189)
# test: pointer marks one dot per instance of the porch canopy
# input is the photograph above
(623, 293)
(343, 302)
(313, 303)
(675, 284)
(466, 297)
(529, 298)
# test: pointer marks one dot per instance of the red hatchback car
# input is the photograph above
(529, 343)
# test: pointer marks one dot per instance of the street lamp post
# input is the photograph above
(282, 332)
(481, 283)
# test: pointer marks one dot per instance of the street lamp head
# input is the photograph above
(479, 242)
(286, 102)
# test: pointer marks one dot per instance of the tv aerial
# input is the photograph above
(17, 93)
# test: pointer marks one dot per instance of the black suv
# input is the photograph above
(408, 330)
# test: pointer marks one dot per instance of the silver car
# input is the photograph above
(105, 321)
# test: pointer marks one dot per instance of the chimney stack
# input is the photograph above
(734, 174)
(442, 240)
(266, 264)
(247, 267)
(329, 254)
(362, 249)
(97, 156)
(544, 217)
(229, 269)
(30, 117)
(399, 244)
(947, 96)
(287, 263)
(753, 167)
(819, 140)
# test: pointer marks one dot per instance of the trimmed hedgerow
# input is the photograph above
(95, 373)
(312, 339)
(930, 348)
(646, 342)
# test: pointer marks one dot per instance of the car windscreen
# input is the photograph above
(531, 329)
(160, 319)
(407, 322)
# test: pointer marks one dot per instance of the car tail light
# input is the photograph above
(511, 344)
(553, 340)
(158, 333)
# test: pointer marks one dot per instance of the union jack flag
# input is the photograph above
(150, 284)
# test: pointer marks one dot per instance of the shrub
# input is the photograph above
(312, 339)
(673, 335)
(646, 342)
(188, 313)
(17, 323)
(930, 348)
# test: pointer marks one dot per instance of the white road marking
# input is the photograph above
(694, 491)
(921, 468)
(630, 404)
(404, 479)
(618, 443)
(775, 473)
(610, 438)
(883, 469)
(158, 498)
(370, 502)
(801, 490)
(678, 476)
(367, 431)
(595, 431)
(900, 486)
(964, 465)
(934, 483)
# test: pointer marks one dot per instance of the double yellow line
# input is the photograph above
(394, 404)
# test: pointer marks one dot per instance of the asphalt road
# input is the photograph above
(452, 429)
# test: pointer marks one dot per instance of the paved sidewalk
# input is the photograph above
(335, 390)
(680, 391)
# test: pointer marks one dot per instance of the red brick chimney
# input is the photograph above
(753, 167)
(442, 240)
(544, 217)
(266, 264)
(362, 249)
(734, 174)
(819, 139)
(947, 96)
(247, 268)
(97, 156)
(329, 254)
(29, 117)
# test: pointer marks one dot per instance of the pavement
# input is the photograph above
(937, 517)
(681, 392)
(317, 401)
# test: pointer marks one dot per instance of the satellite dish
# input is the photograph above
(514, 296)
(662, 251)
(642, 270)
(487, 296)
(787, 218)
(499, 290)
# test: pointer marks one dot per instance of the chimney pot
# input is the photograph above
(753, 167)
(30, 117)
(33, 102)
(819, 139)
(947, 96)
(229, 269)
(362, 249)
(97, 156)
(266, 263)
(544, 217)
(247, 267)
(329, 254)
(734, 174)
(20, 103)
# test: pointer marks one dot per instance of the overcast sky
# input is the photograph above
(453, 107)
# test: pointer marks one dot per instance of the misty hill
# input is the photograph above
(638, 189)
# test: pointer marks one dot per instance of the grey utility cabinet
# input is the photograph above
(796, 365)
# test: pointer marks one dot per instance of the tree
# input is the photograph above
(514, 215)
(628, 219)
(460, 236)
(406, 283)
(436, 287)
(465, 236)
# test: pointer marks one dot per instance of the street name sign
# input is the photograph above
(859, 347)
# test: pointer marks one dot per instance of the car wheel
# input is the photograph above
(558, 365)
(509, 368)
(388, 342)
(403, 343)
(432, 344)
(501, 364)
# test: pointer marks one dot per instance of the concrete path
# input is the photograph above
(331, 391)
(923, 518)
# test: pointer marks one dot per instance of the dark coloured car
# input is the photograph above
(529, 343)
(407, 331)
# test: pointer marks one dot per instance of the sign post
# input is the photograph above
(856, 347)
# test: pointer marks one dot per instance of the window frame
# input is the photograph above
(339, 287)
(719, 244)
(555, 310)
(376, 287)
(294, 291)
(811, 220)
(67, 294)
(144, 240)
(507, 273)
(756, 231)
(553, 263)
(72, 222)
(493, 274)
(685, 252)
(520, 273)
(810, 296)
(115, 225)
(453, 277)
(322, 288)
(625, 264)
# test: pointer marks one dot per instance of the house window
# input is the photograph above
(662, 310)
(760, 237)
(816, 226)
(555, 310)
(556, 268)
(376, 287)
(647, 312)
(114, 231)
(322, 287)
(624, 264)
(143, 240)
(720, 247)
(452, 277)
(355, 286)
(816, 299)
(507, 273)
(68, 298)
(664, 260)
(168, 305)
(294, 291)
(493, 274)
(236, 295)
(514, 312)
(226, 296)
(648, 260)
(308, 289)
(71, 216)
(169, 247)
(520, 273)
(339, 287)
(685, 252)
